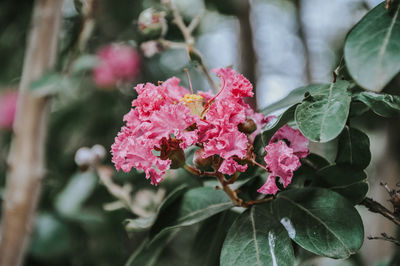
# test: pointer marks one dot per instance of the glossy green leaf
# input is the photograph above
(195, 206)
(345, 180)
(339, 175)
(382, 104)
(295, 96)
(372, 48)
(323, 113)
(321, 221)
(353, 148)
(207, 245)
(257, 238)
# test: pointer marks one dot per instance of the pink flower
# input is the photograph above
(230, 166)
(8, 107)
(296, 140)
(149, 125)
(281, 162)
(166, 119)
(118, 63)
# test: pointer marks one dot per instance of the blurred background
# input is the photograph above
(278, 44)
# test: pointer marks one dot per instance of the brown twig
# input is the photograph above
(189, 40)
(385, 237)
(376, 207)
(26, 158)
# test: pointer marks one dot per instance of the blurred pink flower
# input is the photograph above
(8, 107)
(281, 162)
(118, 63)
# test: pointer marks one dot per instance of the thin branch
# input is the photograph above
(376, 207)
(385, 237)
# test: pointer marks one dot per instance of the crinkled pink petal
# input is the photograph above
(233, 84)
(155, 115)
(269, 187)
(281, 162)
(227, 144)
(172, 90)
(297, 141)
(230, 166)
(170, 119)
(8, 107)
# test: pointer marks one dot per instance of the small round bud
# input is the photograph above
(200, 162)
(248, 126)
(84, 157)
(99, 152)
(152, 23)
(177, 158)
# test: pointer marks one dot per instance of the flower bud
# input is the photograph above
(152, 23)
(99, 152)
(248, 126)
(200, 162)
(84, 157)
(177, 158)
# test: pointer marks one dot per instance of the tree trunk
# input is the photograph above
(26, 158)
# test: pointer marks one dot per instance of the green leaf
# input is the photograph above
(51, 237)
(209, 239)
(263, 138)
(353, 148)
(385, 105)
(323, 113)
(257, 238)
(145, 223)
(148, 253)
(346, 180)
(85, 63)
(48, 84)
(372, 48)
(295, 96)
(321, 221)
(70, 200)
(195, 206)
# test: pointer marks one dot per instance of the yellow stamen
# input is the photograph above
(194, 102)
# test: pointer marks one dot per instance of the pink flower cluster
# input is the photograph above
(8, 106)
(283, 159)
(118, 63)
(165, 119)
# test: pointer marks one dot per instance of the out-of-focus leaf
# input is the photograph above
(321, 221)
(257, 238)
(372, 48)
(84, 63)
(77, 191)
(50, 238)
(323, 113)
(382, 104)
(145, 223)
(353, 148)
